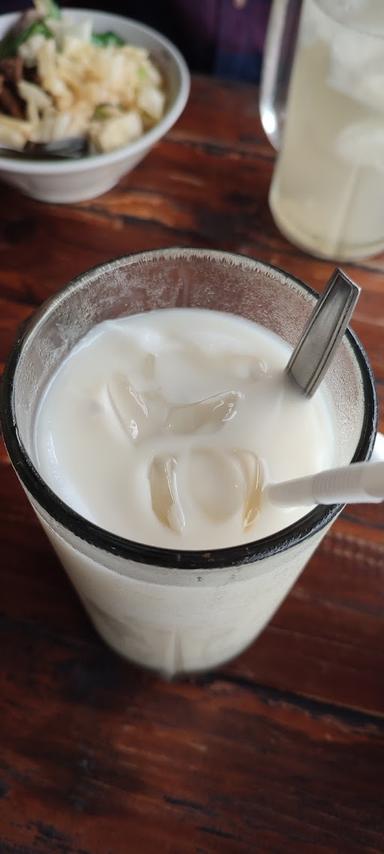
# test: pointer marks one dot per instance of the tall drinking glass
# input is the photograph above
(327, 192)
(176, 610)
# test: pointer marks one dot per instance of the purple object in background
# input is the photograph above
(223, 37)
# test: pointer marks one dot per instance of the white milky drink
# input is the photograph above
(160, 426)
(327, 193)
(153, 427)
(156, 426)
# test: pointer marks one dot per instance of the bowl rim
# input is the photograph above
(147, 140)
(202, 559)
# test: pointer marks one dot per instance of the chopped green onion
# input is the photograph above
(8, 46)
(101, 112)
(107, 111)
(38, 28)
(11, 43)
(106, 39)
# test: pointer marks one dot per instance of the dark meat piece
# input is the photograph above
(31, 74)
(12, 69)
(10, 102)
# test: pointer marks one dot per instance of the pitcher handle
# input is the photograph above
(279, 51)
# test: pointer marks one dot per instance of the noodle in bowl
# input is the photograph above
(89, 176)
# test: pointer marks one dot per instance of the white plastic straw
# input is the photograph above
(354, 484)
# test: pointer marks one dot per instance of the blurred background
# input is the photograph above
(221, 37)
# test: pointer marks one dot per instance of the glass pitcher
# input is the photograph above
(322, 107)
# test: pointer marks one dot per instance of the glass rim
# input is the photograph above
(182, 559)
(339, 17)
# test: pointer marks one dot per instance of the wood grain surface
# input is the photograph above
(281, 750)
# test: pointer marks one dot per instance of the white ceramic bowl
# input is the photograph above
(73, 181)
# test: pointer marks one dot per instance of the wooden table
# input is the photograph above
(280, 751)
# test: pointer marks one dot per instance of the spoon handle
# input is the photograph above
(354, 484)
(326, 326)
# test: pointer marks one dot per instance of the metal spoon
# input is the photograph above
(70, 148)
(313, 354)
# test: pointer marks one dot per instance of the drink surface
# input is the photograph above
(155, 426)
(328, 190)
